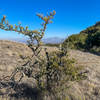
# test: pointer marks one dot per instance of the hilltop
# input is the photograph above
(87, 40)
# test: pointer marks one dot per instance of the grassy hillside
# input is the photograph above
(88, 39)
(88, 89)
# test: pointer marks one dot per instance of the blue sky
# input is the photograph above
(72, 16)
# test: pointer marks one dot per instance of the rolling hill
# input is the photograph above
(87, 40)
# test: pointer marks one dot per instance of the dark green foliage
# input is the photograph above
(93, 40)
(96, 39)
(59, 70)
(86, 40)
(90, 30)
(52, 45)
(76, 41)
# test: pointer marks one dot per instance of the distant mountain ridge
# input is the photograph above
(51, 40)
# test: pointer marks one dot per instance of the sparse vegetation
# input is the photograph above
(53, 72)
(52, 45)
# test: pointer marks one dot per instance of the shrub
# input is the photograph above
(54, 70)
(90, 30)
(52, 45)
(76, 41)
(93, 40)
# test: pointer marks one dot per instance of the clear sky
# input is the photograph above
(72, 16)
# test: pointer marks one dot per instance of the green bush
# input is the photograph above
(76, 41)
(90, 30)
(54, 71)
(93, 40)
(58, 72)
(52, 45)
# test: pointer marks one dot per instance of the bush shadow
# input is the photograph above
(21, 91)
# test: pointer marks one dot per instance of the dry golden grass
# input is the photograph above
(89, 88)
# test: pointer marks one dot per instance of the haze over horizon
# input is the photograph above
(72, 16)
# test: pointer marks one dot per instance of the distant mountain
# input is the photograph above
(52, 40)
(19, 40)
